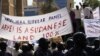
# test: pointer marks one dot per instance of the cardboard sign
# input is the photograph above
(92, 27)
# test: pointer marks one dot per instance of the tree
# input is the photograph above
(48, 6)
(93, 3)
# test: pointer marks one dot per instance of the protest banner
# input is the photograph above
(96, 13)
(92, 27)
(56, 23)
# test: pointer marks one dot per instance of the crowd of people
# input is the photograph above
(77, 45)
(77, 15)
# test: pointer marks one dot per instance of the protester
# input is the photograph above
(78, 18)
(36, 45)
(72, 16)
(25, 51)
(31, 48)
(96, 49)
(53, 47)
(69, 44)
(43, 48)
(3, 47)
(16, 49)
(89, 50)
(75, 46)
(59, 52)
(97, 52)
(79, 40)
(96, 44)
(87, 11)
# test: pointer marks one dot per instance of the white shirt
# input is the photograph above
(35, 46)
(77, 14)
(13, 51)
(86, 12)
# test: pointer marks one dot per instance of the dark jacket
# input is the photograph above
(26, 54)
(5, 54)
(41, 52)
(97, 52)
(76, 52)
(58, 53)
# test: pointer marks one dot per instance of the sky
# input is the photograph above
(30, 2)
(76, 2)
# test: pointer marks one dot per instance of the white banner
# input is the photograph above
(96, 13)
(92, 27)
(34, 27)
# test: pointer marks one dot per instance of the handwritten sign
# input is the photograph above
(92, 27)
(34, 27)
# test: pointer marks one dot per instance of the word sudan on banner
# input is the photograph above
(92, 27)
(34, 27)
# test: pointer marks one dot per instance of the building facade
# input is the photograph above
(20, 5)
(43, 4)
(61, 3)
(38, 3)
(58, 3)
(70, 4)
(8, 7)
(13, 7)
(30, 11)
